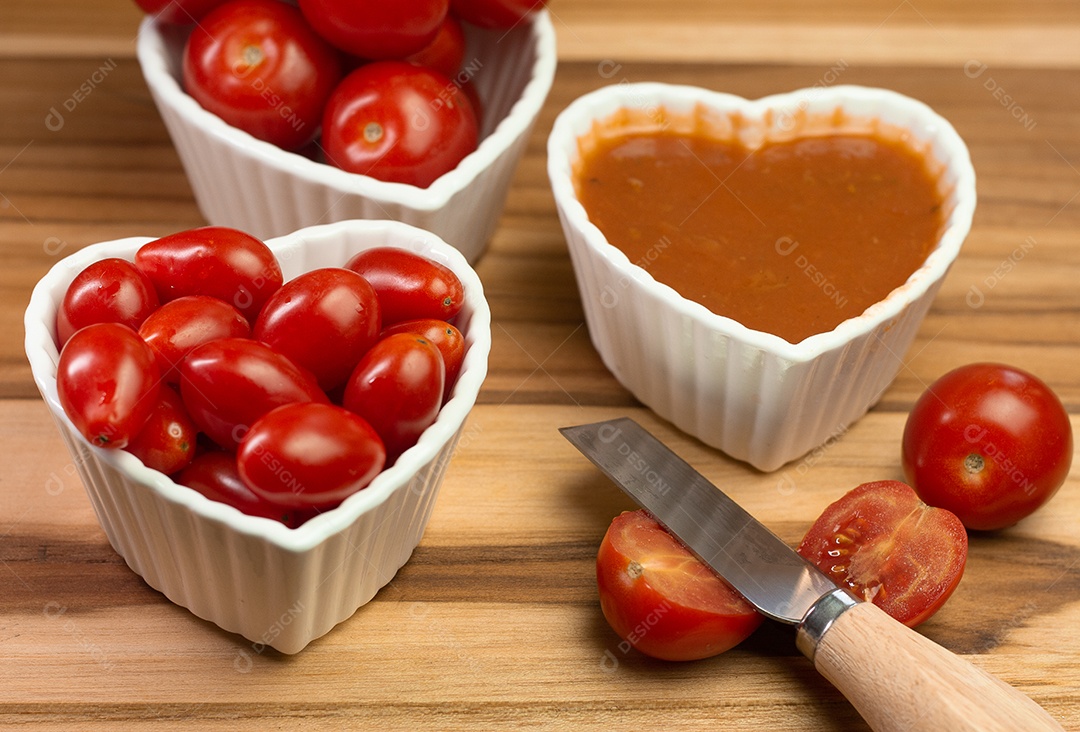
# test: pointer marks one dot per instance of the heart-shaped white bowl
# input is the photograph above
(751, 394)
(275, 586)
(252, 185)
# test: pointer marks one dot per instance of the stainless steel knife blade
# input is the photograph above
(756, 562)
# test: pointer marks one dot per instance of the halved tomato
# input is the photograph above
(888, 547)
(662, 599)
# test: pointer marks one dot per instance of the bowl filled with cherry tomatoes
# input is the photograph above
(262, 427)
(288, 115)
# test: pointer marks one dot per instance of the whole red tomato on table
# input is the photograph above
(989, 442)
(662, 599)
(398, 122)
(260, 67)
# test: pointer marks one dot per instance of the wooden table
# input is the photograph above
(494, 624)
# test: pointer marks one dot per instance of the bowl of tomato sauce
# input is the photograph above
(755, 270)
(249, 183)
(277, 581)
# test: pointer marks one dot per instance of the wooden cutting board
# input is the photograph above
(494, 623)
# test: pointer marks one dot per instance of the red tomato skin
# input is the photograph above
(1011, 422)
(215, 475)
(228, 384)
(376, 29)
(444, 336)
(495, 14)
(303, 456)
(166, 442)
(260, 67)
(107, 382)
(397, 388)
(398, 122)
(178, 326)
(410, 286)
(642, 572)
(324, 321)
(446, 51)
(887, 546)
(178, 12)
(108, 291)
(212, 260)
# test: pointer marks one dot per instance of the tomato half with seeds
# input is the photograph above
(888, 547)
(990, 442)
(662, 599)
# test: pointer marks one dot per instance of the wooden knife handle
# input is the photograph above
(901, 681)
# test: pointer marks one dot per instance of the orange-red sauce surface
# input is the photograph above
(791, 238)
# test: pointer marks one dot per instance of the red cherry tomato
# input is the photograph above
(445, 337)
(107, 382)
(410, 286)
(213, 260)
(990, 443)
(107, 291)
(259, 66)
(309, 456)
(446, 52)
(500, 14)
(888, 547)
(398, 388)
(376, 29)
(324, 321)
(215, 475)
(398, 122)
(167, 440)
(175, 328)
(230, 383)
(662, 599)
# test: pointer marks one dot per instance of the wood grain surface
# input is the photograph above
(494, 623)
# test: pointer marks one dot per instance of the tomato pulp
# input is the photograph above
(888, 547)
(662, 599)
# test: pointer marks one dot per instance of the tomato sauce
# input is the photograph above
(791, 238)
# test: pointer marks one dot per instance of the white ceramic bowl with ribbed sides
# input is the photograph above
(751, 394)
(252, 185)
(275, 586)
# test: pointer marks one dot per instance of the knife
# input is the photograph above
(897, 679)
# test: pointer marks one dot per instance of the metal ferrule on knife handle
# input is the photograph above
(898, 679)
(820, 618)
